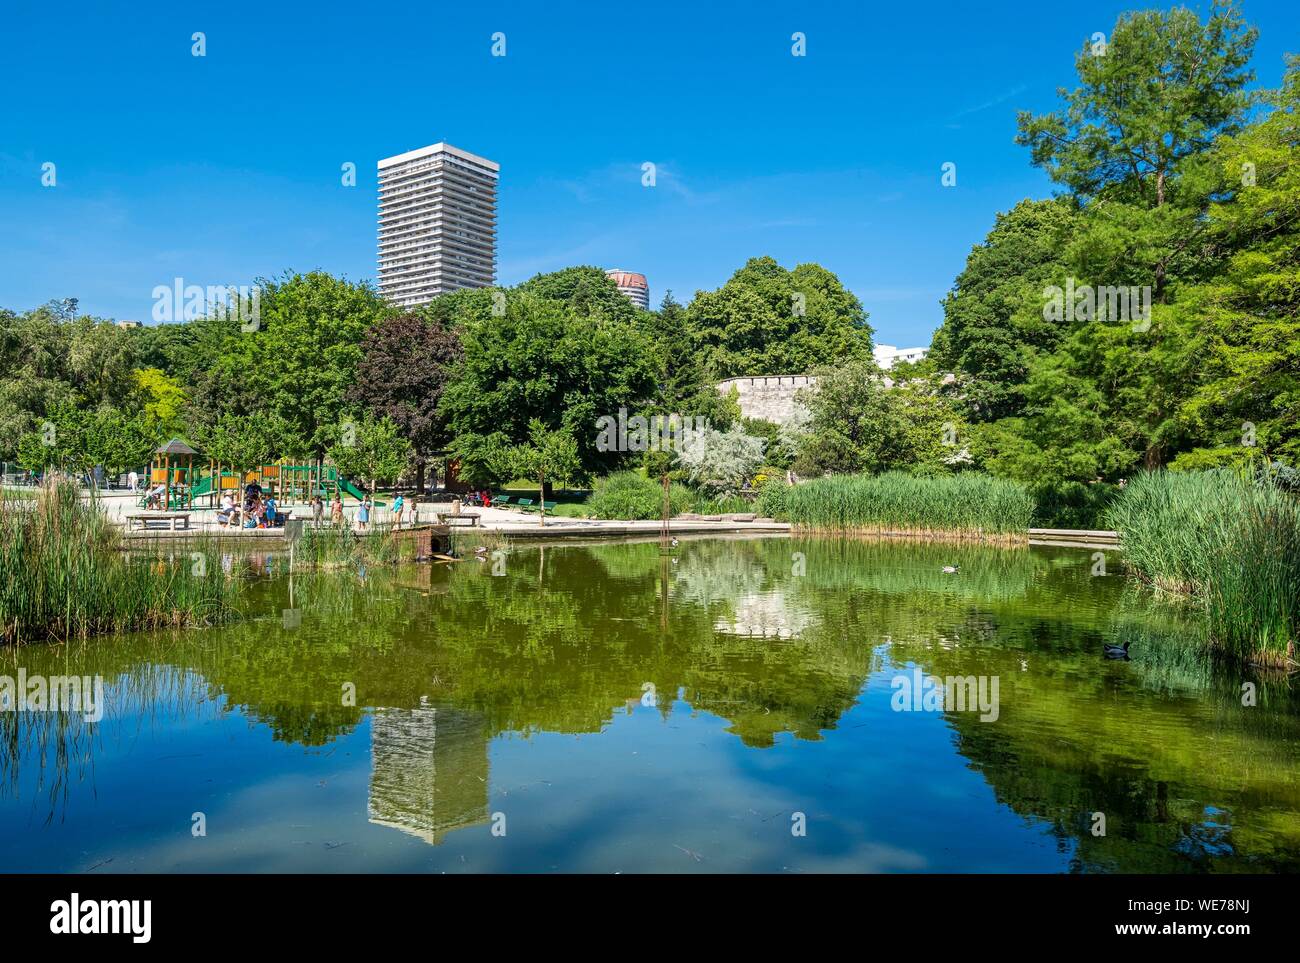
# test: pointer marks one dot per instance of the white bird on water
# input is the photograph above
(951, 569)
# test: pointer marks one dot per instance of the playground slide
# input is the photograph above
(354, 491)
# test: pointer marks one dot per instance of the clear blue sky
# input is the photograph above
(224, 168)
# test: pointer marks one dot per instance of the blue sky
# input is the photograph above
(223, 168)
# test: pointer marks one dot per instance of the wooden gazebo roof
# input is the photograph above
(175, 447)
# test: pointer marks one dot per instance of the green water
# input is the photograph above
(602, 708)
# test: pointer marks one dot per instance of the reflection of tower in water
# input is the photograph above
(429, 771)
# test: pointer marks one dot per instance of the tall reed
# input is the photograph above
(965, 506)
(63, 574)
(1230, 543)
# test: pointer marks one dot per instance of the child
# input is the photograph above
(317, 510)
(363, 513)
(227, 511)
(336, 511)
(399, 506)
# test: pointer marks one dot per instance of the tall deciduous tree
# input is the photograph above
(767, 320)
(1156, 93)
(541, 358)
(297, 358)
(406, 362)
(993, 324)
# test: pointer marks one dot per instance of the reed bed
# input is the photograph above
(338, 546)
(64, 575)
(964, 507)
(1230, 543)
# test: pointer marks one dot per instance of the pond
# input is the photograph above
(743, 705)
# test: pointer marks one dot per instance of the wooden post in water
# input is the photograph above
(664, 533)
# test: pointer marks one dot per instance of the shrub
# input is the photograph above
(630, 496)
(772, 499)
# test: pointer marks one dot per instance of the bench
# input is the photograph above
(524, 503)
(530, 507)
(470, 518)
(144, 518)
(501, 501)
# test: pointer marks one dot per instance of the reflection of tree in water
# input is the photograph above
(569, 635)
(1187, 778)
(56, 749)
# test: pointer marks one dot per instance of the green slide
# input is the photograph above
(354, 491)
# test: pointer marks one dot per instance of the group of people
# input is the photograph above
(317, 505)
(262, 511)
(257, 511)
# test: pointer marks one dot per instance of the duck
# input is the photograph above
(673, 543)
(1115, 651)
(951, 569)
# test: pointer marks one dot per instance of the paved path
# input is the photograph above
(515, 524)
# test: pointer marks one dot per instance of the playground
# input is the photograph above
(175, 484)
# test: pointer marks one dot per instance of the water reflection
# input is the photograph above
(742, 650)
(429, 771)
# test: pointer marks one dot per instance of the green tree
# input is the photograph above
(1246, 330)
(296, 359)
(767, 320)
(1161, 90)
(861, 423)
(372, 449)
(993, 324)
(541, 359)
(548, 455)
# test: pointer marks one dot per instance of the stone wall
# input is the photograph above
(770, 397)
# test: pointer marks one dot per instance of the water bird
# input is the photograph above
(673, 542)
(951, 569)
(1115, 651)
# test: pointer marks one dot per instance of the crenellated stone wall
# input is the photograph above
(770, 397)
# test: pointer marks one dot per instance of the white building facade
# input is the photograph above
(886, 355)
(437, 223)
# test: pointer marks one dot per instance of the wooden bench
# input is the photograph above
(144, 518)
(470, 518)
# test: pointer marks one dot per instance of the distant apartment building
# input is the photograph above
(634, 287)
(437, 223)
(887, 355)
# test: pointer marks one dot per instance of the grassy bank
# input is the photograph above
(63, 574)
(1231, 544)
(965, 506)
